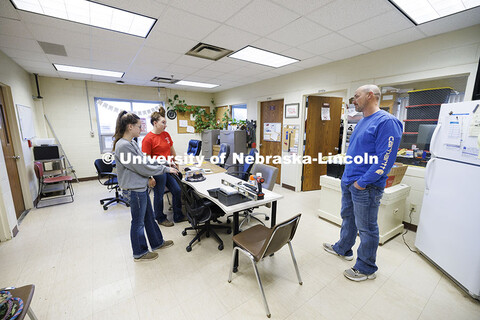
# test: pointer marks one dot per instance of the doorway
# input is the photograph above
(271, 112)
(10, 159)
(322, 136)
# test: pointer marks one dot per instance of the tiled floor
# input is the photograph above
(79, 258)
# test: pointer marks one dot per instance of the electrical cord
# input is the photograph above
(406, 230)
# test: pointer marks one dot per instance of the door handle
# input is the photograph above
(336, 148)
(15, 157)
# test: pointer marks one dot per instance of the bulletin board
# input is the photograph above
(221, 111)
(186, 121)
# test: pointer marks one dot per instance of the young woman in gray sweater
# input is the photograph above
(133, 180)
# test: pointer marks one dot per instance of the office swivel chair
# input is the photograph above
(269, 173)
(224, 151)
(259, 242)
(194, 147)
(107, 178)
(200, 212)
(247, 167)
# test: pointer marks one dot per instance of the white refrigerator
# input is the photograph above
(448, 232)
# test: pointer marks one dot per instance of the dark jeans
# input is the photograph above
(143, 222)
(359, 213)
(172, 185)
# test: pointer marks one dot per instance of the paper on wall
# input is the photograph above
(275, 136)
(183, 123)
(474, 130)
(192, 117)
(190, 129)
(325, 113)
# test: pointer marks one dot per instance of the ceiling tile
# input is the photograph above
(76, 52)
(262, 17)
(208, 74)
(20, 43)
(297, 32)
(33, 64)
(187, 25)
(270, 45)
(7, 10)
(302, 7)
(222, 66)
(377, 26)
(147, 8)
(230, 38)
(345, 53)
(177, 70)
(23, 54)
(194, 62)
(219, 10)
(297, 54)
(312, 62)
(161, 40)
(59, 36)
(453, 22)
(394, 39)
(343, 13)
(326, 44)
(14, 28)
(148, 56)
(64, 25)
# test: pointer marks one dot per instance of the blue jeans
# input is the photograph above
(359, 213)
(143, 222)
(158, 191)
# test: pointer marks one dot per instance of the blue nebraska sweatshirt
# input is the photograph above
(378, 134)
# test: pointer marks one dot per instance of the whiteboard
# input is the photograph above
(25, 118)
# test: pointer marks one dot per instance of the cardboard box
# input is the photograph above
(388, 100)
(396, 174)
(215, 149)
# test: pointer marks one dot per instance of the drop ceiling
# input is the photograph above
(315, 31)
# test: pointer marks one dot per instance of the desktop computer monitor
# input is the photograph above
(425, 132)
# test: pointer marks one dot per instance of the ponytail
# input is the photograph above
(157, 115)
(123, 120)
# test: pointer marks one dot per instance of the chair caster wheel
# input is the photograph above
(189, 248)
(207, 235)
(267, 218)
(184, 233)
(105, 208)
(101, 202)
(228, 221)
(220, 247)
(127, 205)
(229, 231)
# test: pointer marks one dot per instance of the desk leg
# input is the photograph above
(274, 214)
(236, 230)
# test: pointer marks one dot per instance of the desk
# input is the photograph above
(214, 181)
(205, 165)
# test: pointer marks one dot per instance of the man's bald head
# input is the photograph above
(371, 88)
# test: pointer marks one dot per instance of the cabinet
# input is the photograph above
(237, 140)
(390, 213)
(209, 139)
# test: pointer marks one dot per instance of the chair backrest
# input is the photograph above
(281, 234)
(269, 173)
(194, 147)
(248, 166)
(38, 169)
(102, 167)
(195, 209)
(224, 149)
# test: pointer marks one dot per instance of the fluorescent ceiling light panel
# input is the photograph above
(252, 54)
(421, 11)
(90, 13)
(97, 72)
(196, 84)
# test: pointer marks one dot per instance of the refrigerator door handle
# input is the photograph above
(433, 141)
(429, 174)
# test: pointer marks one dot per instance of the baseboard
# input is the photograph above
(87, 179)
(15, 231)
(289, 187)
(410, 226)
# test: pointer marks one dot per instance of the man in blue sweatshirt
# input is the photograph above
(377, 134)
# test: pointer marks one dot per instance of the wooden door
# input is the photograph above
(10, 160)
(321, 137)
(271, 112)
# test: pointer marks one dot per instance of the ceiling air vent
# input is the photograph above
(164, 80)
(207, 51)
(53, 48)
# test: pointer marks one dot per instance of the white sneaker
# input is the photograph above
(329, 248)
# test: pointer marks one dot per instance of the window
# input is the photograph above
(239, 111)
(108, 110)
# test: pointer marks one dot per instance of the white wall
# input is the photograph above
(65, 104)
(18, 80)
(454, 53)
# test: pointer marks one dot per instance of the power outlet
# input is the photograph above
(413, 207)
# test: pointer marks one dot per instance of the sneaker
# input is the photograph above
(329, 248)
(355, 275)
(182, 219)
(166, 223)
(165, 244)
(147, 257)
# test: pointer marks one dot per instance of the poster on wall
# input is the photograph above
(272, 131)
(25, 119)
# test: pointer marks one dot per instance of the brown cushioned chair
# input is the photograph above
(259, 241)
(26, 294)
